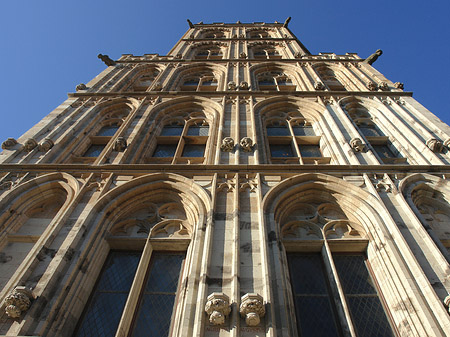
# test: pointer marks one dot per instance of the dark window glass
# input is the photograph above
(102, 314)
(303, 130)
(198, 130)
(367, 312)
(203, 53)
(191, 150)
(284, 82)
(191, 82)
(172, 130)
(215, 52)
(384, 151)
(310, 151)
(272, 52)
(155, 310)
(370, 131)
(108, 130)
(278, 131)
(94, 151)
(281, 150)
(165, 150)
(209, 83)
(313, 307)
(266, 81)
(259, 53)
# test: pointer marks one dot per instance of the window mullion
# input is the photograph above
(133, 297)
(343, 310)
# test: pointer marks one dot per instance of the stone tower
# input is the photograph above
(237, 186)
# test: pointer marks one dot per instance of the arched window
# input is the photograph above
(265, 52)
(213, 34)
(204, 82)
(379, 142)
(143, 81)
(212, 53)
(275, 81)
(258, 34)
(328, 268)
(292, 140)
(182, 142)
(151, 276)
(328, 77)
(101, 138)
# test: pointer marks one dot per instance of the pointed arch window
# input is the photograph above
(329, 78)
(266, 52)
(137, 292)
(259, 34)
(275, 81)
(329, 272)
(206, 82)
(212, 53)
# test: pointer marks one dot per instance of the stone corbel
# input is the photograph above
(30, 144)
(218, 308)
(120, 145)
(81, 86)
(372, 86)
(383, 86)
(435, 145)
(319, 86)
(18, 301)
(357, 145)
(246, 144)
(227, 144)
(252, 308)
(46, 145)
(232, 85)
(9, 143)
(243, 85)
(243, 55)
(399, 85)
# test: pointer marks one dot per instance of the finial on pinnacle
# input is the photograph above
(191, 25)
(372, 58)
(286, 22)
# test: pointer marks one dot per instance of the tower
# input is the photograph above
(237, 186)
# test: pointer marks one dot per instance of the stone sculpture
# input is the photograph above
(120, 145)
(227, 144)
(217, 307)
(252, 308)
(357, 145)
(246, 144)
(18, 301)
(9, 143)
(106, 59)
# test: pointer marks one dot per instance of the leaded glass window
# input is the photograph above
(94, 151)
(191, 150)
(172, 130)
(108, 130)
(281, 130)
(198, 130)
(154, 312)
(312, 298)
(281, 150)
(102, 313)
(165, 150)
(303, 130)
(368, 315)
(310, 151)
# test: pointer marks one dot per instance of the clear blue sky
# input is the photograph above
(48, 47)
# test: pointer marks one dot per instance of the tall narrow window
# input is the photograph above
(329, 78)
(205, 82)
(275, 81)
(102, 314)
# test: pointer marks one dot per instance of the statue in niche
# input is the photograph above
(372, 58)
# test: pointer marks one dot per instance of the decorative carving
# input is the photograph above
(120, 145)
(319, 86)
(342, 230)
(243, 55)
(227, 144)
(301, 230)
(190, 23)
(46, 145)
(217, 307)
(18, 301)
(372, 86)
(372, 58)
(285, 24)
(228, 184)
(106, 60)
(447, 143)
(246, 144)
(252, 308)
(383, 86)
(357, 145)
(157, 86)
(298, 55)
(248, 182)
(435, 145)
(399, 85)
(178, 56)
(30, 144)
(447, 302)
(243, 85)
(9, 143)
(81, 86)
(232, 85)
(386, 184)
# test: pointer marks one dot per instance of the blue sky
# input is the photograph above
(48, 47)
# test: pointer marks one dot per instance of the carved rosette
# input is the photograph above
(246, 144)
(447, 303)
(435, 145)
(218, 308)
(252, 308)
(383, 86)
(357, 145)
(372, 86)
(9, 143)
(120, 145)
(227, 144)
(46, 145)
(232, 85)
(18, 301)
(319, 86)
(30, 144)
(243, 85)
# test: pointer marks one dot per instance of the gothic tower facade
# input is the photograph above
(237, 186)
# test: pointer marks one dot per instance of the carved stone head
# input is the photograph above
(357, 145)
(227, 144)
(246, 144)
(120, 144)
